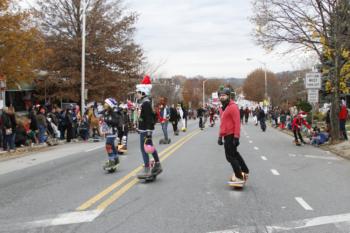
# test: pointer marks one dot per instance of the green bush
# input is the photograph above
(304, 106)
(319, 116)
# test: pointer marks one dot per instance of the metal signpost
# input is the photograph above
(313, 80)
(313, 85)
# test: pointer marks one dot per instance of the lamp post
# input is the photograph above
(265, 70)
(204, 91)
(83, 58)
(43, 76)
(2, 92)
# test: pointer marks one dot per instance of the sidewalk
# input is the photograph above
(342, 149)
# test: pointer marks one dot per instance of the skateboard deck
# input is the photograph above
(111, 169)
(239, 185)
(236, 185)
(148, 179)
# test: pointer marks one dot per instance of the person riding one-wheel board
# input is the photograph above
(164, 116)
(146, 126)
(123, 129)
(230, 128)
(111, 121)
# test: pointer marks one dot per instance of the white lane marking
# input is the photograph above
(248, 136)
(292, 155)
(310, 222)
(275, 172)
(61, 219)
(236, 230)
(95, 148)
(340, 221)
(303, 203)
(263, 158)
(322, 157)
(250, 141)
(256, 148)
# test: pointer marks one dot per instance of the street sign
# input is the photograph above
(312, 96)
(313, 80)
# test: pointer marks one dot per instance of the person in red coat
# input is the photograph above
(343, 115)
(297, 123)
(230, 127)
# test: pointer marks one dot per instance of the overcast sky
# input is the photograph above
(201, 37)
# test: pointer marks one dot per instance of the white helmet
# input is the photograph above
(111, 102)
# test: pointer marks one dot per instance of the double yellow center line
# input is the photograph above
(163, 155)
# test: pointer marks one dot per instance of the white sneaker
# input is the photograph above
(235, 180)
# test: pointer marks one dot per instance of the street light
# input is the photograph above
(204, 91)
(250, 59)
(83, 59)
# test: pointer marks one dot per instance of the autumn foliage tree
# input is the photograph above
(113, 59)
(254, 86)
(312, 25)
(21, 45)
(192, 92)
(212, 85)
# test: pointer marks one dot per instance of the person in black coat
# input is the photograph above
(147, 121)
(174, 119)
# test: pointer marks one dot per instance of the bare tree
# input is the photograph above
(313, 25)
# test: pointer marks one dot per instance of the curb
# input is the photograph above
(24, 151)
(341, 149)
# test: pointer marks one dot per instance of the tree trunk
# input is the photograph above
(335, 94)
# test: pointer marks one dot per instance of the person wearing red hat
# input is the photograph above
(297, 123)
(145, 128)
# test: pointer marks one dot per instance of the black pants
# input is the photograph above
(343, 130)
(298, 134)
(70, 133)
(201, 122)
(174, 123)
(234, 157)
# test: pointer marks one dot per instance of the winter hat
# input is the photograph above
(343, 103)
(225, 91)
(111, 102)
(302, 114)
(145, 86)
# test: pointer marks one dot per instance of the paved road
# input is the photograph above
(290, 189)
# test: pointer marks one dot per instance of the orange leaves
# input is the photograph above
(21, 46)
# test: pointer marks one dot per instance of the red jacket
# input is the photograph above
(298, 122)
(343, 114)
(230, 121)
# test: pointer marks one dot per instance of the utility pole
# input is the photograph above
(83, 58)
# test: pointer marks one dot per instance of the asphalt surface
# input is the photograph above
(290, 189)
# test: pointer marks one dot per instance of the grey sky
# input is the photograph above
(201, 37)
